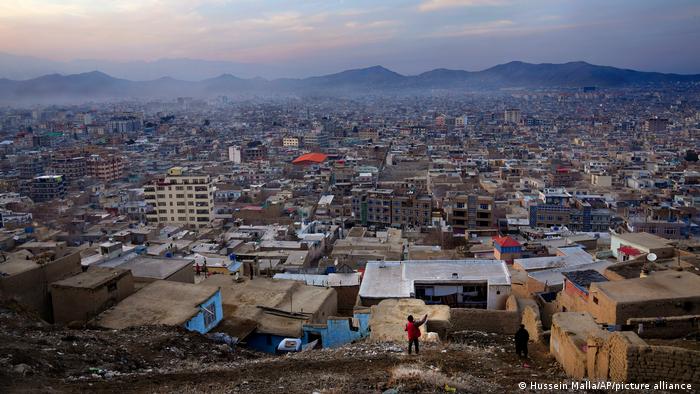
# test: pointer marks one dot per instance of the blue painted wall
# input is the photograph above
(264, 342)
(197, 323)
(337, 332)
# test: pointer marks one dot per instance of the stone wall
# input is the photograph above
(668, 327)
(502, 322)
(624, 357)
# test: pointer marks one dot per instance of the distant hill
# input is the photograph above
(377, 79)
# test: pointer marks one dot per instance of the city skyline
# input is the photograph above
(288, 39)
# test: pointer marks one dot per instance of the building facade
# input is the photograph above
(181, 197)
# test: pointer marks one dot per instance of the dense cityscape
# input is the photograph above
(530, 227)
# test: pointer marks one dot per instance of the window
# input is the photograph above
(209, 314)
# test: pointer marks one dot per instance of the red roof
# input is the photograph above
(310, 158)
(506, 242)
(629, 251)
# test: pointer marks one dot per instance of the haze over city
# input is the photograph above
(297, 39)
(424, 196)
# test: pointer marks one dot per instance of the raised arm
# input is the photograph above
(422, 321)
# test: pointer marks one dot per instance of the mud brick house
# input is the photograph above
(86, 295)
(194, 307)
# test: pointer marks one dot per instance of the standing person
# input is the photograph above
(413, 330)
(521, 339)
(205, 270)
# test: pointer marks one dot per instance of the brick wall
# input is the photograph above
(654, 363)
(624, 357)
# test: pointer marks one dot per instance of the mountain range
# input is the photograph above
(99, 86)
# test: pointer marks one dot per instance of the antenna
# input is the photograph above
(651, 257)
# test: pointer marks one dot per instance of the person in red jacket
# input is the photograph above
(413, 330)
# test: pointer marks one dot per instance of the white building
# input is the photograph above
(458, 283)
(290, 142)
(512, 116)
(182, 197)
(234, 154)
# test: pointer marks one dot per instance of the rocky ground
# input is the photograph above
(37, 357)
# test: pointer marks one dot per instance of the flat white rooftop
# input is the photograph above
(397, 279)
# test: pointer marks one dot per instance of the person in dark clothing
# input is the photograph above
(521, 339)
(413, 330)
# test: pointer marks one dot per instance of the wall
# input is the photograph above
(184, 275)
(502, 322)
(31, 288)
(667, 327)
(624, 357)
(264, 342)
(497, 296)
(197, 322)
(82, 304)
(570, 333)
(347, 297)
(337, 331)
(531, 319)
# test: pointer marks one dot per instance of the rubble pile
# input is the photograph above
(31, 349)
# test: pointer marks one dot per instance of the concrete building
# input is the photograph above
(482, 284)
(512, 115)
(106, 168)
(655, 125)
(290, 142)
(194, 307)
(644, 243)
(86, 295)
(71, 166)
(471, 213)
(234, 154)
(182, 197)
(47, 187)
(556, 208)
(385, 208)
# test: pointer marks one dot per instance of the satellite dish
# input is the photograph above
(652, 257)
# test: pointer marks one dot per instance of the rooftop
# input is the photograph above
(161, 302)
(92, 278)
(650, 241)
(658, 286)
(396, 279)
(155, 267)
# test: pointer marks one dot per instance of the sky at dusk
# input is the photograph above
(311, 37)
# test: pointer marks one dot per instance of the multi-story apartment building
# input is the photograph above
(558, 208)
(107, 168)
(31, 165)
(71, 166)
(471, 213)
(512, 115)
(385, 208)
(655, 125)
(182, 197)
(290, 142)
(47, 187)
